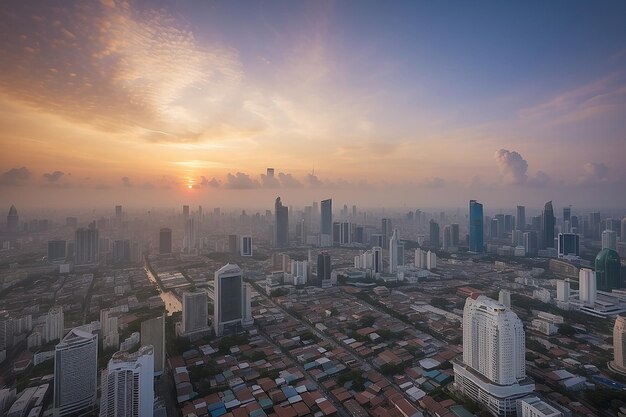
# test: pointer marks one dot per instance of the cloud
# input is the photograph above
(15, 176)
(541, 179)
(126, 182)
(269, 181)
(313, 181)
(54, 176)
(594, 173)
(213, 182)
(436, 182)
(512, 166)
(147, 186)
(288, 181)
(241, 181)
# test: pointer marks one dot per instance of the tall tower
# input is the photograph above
(476, 230)
(86, 246)
(607, 266)
(587, 286)
(609, 239)
(153, 333)
(195, 312)
(54, 323)
(75, 373)
(231, 308)
(393, 252)
(324, 267)
(434, 234)
(13, 221)
(619, 345)
(548, 226)
(326, 229)
(165, 241)
(282, 224)
(127, 384)
(386, 232)
(493, 370)
(520, 220)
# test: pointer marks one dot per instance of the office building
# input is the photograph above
(504, 298)
(619, 345)
(493, 369)
(109, 329)
(434, 235)
(300, 272)
(165, 241)
(118, 214)
(587, 286)
(533, 406)
(447, 237)
(6, 333)
(476, 229)
(607, 265)
(233, 244)
(195, 312)
(53, 324)
(56, 250)
(281, 228)
(324, 267)
(609, 239)
(386, 231)
(86, 246)
(153, 334)
(562, 291)
(455, 235)
(420, 258)
(623, 230)
(431, 260)
(185, 212)
(75, 373)
(127, 384)
(520, 218)
(378, 259)
(530, 243)
(246, 245)
(326, 229)
(548, 222)
(190, 238)
(13, 221)
(231, 307)
(569, 244)
(393, 252)
(121, 251)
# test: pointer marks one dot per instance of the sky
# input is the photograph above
(416, 104)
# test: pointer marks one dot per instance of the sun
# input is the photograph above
(190, 186)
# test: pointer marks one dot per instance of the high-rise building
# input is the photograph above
(569, 244)
(281, 228)
(587, 286)
(504, 298)
(520, 219)
(118, 214)
(609, 239)
(607, 265)
(109, 329)
(623, 231)
(165, 241)
(378, 259)
(190, 238)
(127, 384)
(231, 307)
(54, 324)
(619, 345)
(434, 234)
(476, 229)
(548, 221)
(75, 373)
(6, 333)
(185, 212)
(86, 246)
(56, 250)
(233, 244)
(420, 258)
(493, 369)
(393, 252)
(455, 235)
(533, 406)
(324, 267)
(447, 237)
(386, 231)
(562, 291)
(195, 312)
(299, 272)
(246, 245)
(530, 243)
(121, 251)
(270, 173)
(153, 333)
(13, 221)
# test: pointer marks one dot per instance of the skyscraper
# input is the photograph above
(493, 369)
(86, 246)
(608, 267)
(56, 250)
(195, 312)
(447, 237)
(54, 324)
(476, 230)
(121, 251)
(520, 219)
(623, 231)
(386, 232)
(127, 384)
(548, 226)
(190, 239)
(609, 239)
(231, 307)
(153, 333)
(13, 221)
(185, 212)
(378, 260)
(587, 286)
(323, 267)
(434, 234)
(393, 252)
(233, 243)
(569, 244)
(165, 241)
(326, 229)
(281, 229)
(530, 243)
(246, 245)
(619, 345)
(75, 373)
(455, 235)
(118, 214)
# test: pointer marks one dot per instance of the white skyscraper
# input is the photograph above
(246, 245)
(420, 258)
(195, 312)
(609, 239)
(53, 324)
(127, 384)
(300, 272)
(231, 307)
(190, 238)
(493, 370)
(504, 298)
(393, 252)
(587, 285)
(431, 260)
(562, 291)
(533, 406)
(75, 373)
(109, 330)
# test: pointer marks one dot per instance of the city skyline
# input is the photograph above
(154, 99)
